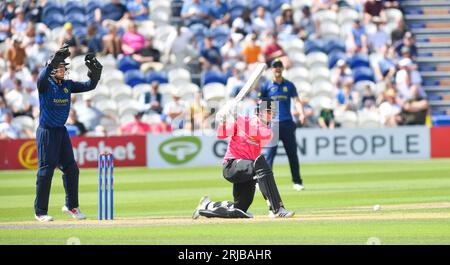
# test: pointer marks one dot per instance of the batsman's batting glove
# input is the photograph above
(227, 113)
(60, 55)
(94, 66)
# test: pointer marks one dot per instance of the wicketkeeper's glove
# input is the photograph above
(94, 66)
(60, 56)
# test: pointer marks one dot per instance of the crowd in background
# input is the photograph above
(395, 97)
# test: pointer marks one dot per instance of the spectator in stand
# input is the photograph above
(138, 10)
(210, 56)
(7, 129)
(273, 51)
(148, 57)
(18, 100)
(310, 119)
(29, 36)
(307, 22)
(88, 114)
(231, 52)
(69, 38)
(236, 81)
(132, 40)
(340, 73)
(326, 117)
(3, 108)
(16, 54)
(136, 127)
(374, 8)
(285, 21)
(379, 38)
(252, 50)
(114, 10)
(242, 25)
(198, 114)
(9, 10)
(151, 101)
(31, 84)
(18, 23)
(414, 110)
(324, 5)
(91, 43)
(391, 4)
(33, 10)
(368, 100)
(408, 81)
(382, 64)
(347, 99)
(405, 53)
(112, 43)
(358, 38)
(179, 44)
(7, 80)
(74, 125)
(5, 28)
(262, 22)
(176, 111)
(194, 12)
(408, 42)
(398, 33)
(390, 109)
(31, 93)
(38, 54)
(219, 13)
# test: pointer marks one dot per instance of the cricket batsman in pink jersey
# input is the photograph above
(244, 166)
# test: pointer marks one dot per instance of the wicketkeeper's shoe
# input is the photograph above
(201, 206)
(75, 213)
(298, 187)
(282, 213)
(43, 218)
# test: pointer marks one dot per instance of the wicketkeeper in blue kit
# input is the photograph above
(53, 143)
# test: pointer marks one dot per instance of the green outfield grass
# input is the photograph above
(335, 208)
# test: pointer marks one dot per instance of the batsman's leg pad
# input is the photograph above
(223, 210)
(266, 182)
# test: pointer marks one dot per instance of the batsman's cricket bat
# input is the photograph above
(251, 82)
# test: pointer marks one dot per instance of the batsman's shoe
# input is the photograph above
(75, 213)
(201, 206)
(298, 187)
(43, 218)
(282, 213)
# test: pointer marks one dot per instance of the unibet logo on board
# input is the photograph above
(180, 150)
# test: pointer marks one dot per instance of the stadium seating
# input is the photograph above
(363, 73)
(161, 77)
(359, 60)
(213, 77)
(134, 77)
(311, 58)
(314, 46)
(127, 63)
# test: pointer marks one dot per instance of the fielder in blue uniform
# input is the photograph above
(52, 140)
(282, 91)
